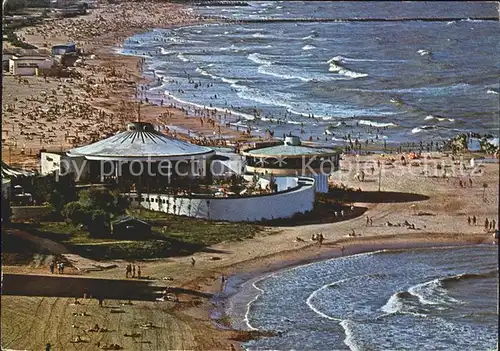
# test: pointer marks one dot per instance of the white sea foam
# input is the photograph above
(440, 119)
(259, 59)
(261, 35)
(308, 47)
(491, 91)
(337, 68)
(376, 124)
(308, 37)
(189, 103)
(423, 52)
(432, 293)
(350, 339)
(265, 69)
(181, 57)
(341, 59)
(421, 128)
(164, 51)
(309, 300)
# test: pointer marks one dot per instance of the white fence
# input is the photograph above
(282, 204)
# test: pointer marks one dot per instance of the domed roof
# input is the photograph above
(140, 141)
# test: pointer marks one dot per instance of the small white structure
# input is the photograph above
(50, 163)
(6, 188)
(28, 65)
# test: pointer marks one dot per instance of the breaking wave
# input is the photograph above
(440, 119)
(335, 67)
(259, 59)
(423, 128)
(376, 124)
(308, 47)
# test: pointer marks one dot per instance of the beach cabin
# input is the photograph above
(128, 227)
(63, 49)
(29, 65)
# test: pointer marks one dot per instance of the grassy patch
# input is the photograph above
(197, 231)
(171, 236)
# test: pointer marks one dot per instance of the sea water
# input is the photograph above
(393, 82)
(417, 299)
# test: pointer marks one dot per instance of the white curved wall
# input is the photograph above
(252, 208)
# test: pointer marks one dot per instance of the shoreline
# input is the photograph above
(239, 278)
(230, 310)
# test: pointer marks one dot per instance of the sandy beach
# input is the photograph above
(439, 213)
(56, 114)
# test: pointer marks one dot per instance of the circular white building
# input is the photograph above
(139, 154)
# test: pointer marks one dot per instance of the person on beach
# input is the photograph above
(367, 220)
(133, 271)
(320, 239)
(341, 250)
(193, 261)
(469, 220)
(139, 272)
(51, 267)
(474, 220)
(486, 224)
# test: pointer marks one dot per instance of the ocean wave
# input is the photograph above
(491, 91)
(376, 124)
(262, 35)
(205, 73)
(350, 338)
(308, 37)
(423, 52)
(423, 128)
(259, 59)
(165, 51)
(310, 304)
(440, 119)
(342, 59)
(183, 58)
(445, 282)
(335, 67)
(190, 103)
(308, 47)
(265, 69)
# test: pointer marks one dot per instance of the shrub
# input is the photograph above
(99, 223)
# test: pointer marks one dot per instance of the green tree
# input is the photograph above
(99, 224)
